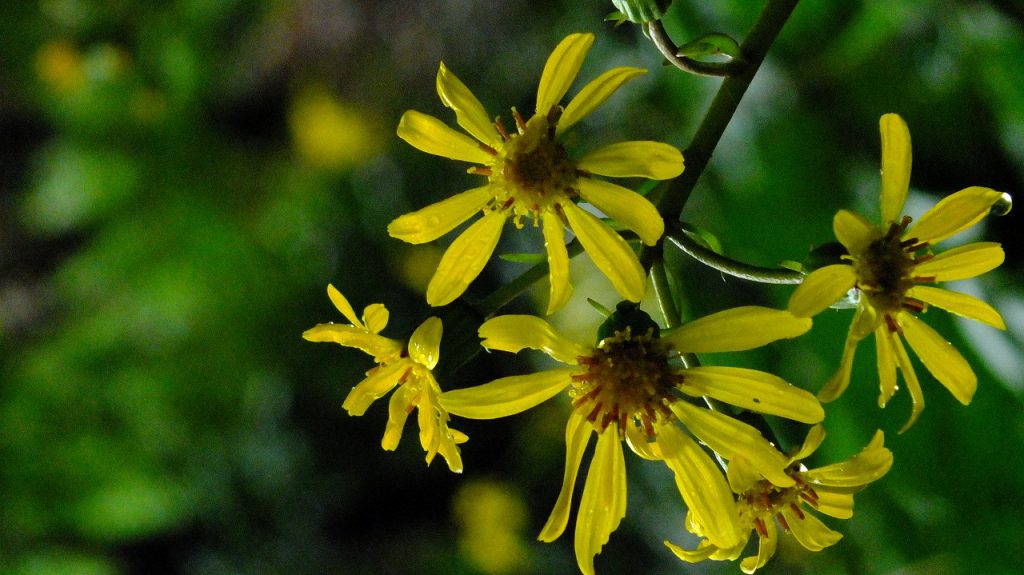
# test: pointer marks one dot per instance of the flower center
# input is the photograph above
(763, 500)
(885, 270)
(627, 379)
(535, 172)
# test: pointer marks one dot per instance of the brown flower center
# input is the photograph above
(763, 500)
(628, 379)
(885, 271)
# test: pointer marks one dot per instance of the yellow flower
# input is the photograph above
(891, 266)
(627, 387)
(828, 490)
(406, 366)
(529, 174)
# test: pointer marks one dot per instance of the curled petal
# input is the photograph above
(737, 329)
(703, 552)
(430, 135)
(641, 445)
(425, 343)
(603, 504)
(822, 288)
(577, 435)
(375, 316)
(731, 438)
(941, 358)
(429, 223)
(741, 475)
(953, 214)
(465, 259)
(959, 303)
(962, 262)
(637, 159)
(380, 381)
(753, 390)
(341, 302)
(626, 207)
(594, 94)
(896, 159)
(558, 264)
(399, 407)
(610, 253)
(702, 486)
(513, 333)
(853, 231)
(838, 504)
(506, 396)
(913, 385)
(836, 384)
(870, 464)
(469, 112)
(886, 355)
(809, 531)
(378, 346)
(765, 549)
(560, 70)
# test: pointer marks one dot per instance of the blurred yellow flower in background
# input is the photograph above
(406, 366)
(491, 517)
(828, 490)
(61, 65)
(891, 265)
(329, 133)
(530, 175)
(626, 388)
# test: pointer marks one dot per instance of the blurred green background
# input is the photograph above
(180, 180)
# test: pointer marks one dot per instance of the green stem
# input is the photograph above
(662, 291)
(669, 50)
(508, 292)
(683, 241)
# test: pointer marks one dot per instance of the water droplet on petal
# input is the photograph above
(1002, 206)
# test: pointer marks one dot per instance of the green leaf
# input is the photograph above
(714, 44)
(529, 259)
(642, 11)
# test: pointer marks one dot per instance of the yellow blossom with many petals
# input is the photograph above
(406, 366)
(530, 175)
(628, 387)
(892, 267)
(761, 503)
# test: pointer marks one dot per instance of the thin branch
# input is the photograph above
(727, 265)
(670, 51)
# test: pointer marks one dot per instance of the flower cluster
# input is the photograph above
(640, 385)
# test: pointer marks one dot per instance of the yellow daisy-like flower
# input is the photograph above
(529, 174)
(406, 366)
(891, 266)
(628, 388)
(761, 503)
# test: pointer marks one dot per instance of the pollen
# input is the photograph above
(628, 380)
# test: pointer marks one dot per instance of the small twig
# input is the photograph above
(669, 50)
(727, 265)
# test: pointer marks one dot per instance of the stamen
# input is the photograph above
(592, 416)
(553, 114)
(586, 397)
(782, 521)
(520, 122)
(892, 325)
(915, 247)
(914, 305)
(923, 257)
(795, 507)
(487, 148)
(925, 279)
(608, 417)
(500, 126)
(905, 222)
(480, 170)
(648, 425)
(759, 525)
(809, 499)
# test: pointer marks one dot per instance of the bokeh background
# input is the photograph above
(180, 180)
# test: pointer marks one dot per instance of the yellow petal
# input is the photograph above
(603, 504)
(822, 288)
(378, 346)
(513, 333)
(560, 70)
(430, 135)
(702, 486)
(506, 396)
(741, 475)
(809, 531)
(702, 553)
(896, 158)
(838, 504)
(626, 207)
(959, 303)
(375, 317)
(425, 343)
(399, 407)
(765, 550)
(870, 464)
(941, 358)
(641, 445)
(469, 112)
(577, 435)
(341, 302)
(886, 364)
(811, 443)
(913, 385)
(594, 94)
(430, 434)
(953, 214)
(428, 224)
(753, 390)
(558, 264)
(853, 231)
(379, 381)
(610, 253)
(962, 262)
(737, 329)
(639, 159)
(732, 438)
(836, 384)
(465, 259)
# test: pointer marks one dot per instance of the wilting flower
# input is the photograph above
(761, 503)
(891, 266)
(530, 175)
(406, 366)
(628, 387)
